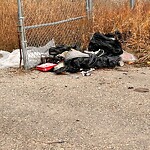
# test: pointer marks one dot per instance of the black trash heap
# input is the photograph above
(104, 51)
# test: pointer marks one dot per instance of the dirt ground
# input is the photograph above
(43, 111)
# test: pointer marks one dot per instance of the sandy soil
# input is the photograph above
(43, 111)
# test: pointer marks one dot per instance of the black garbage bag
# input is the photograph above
(59, 49)
(85, 63)
(110, 45)
(108, 62)
(74, 65)
(54, 51)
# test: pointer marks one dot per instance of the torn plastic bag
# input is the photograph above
(110, 45)
(9, 59)
(128, 57)
(34, 53)
(73, 54)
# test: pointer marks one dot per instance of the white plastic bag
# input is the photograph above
(128, 57)
(34, 56)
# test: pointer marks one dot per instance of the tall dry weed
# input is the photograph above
(8, 24)
(110, 16)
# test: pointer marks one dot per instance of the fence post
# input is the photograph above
(22, 34)
(89, 10)
(132, 3)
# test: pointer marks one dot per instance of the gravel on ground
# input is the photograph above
(104, 111)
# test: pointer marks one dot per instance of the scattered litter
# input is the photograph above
(46, 67)
(142, 90)
(130, 87)
(45, 58)
(85, 73)
(128, 58)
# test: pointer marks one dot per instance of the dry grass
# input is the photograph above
(8, 25)
(108, 16)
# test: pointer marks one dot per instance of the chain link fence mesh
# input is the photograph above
(40, 12)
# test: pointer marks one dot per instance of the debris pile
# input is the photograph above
(103, 51)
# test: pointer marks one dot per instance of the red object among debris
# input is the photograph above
(46, 67)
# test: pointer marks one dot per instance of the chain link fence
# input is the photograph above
(9, 19)
(65, 21)
(68, 22)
